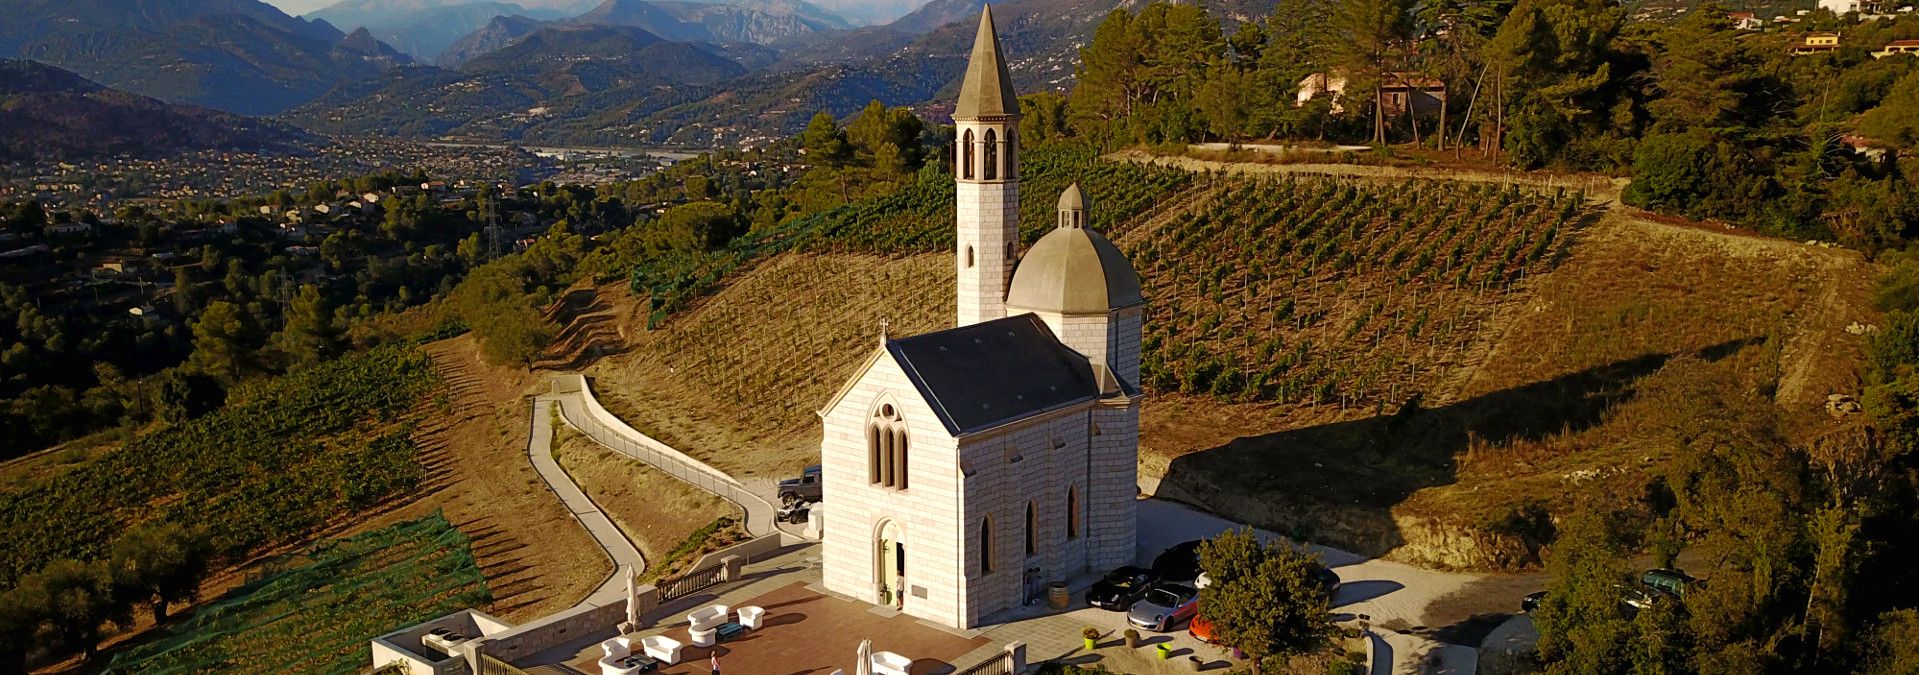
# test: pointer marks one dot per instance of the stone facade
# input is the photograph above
(987, 214)
(925, 513)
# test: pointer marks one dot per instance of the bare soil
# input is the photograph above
(655, 510)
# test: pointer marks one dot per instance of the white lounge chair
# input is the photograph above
(661, 648)
(750, 617)
(617, 648)
(889, 663)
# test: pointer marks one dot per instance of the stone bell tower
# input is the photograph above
(987, 170)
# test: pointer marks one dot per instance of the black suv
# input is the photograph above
(806, 488)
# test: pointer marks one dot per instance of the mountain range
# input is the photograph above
(49, 113)
(240, 56)
(423, 29)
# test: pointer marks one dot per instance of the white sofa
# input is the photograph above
(750, 617)
(889, 663)
(704, 624)
(661, 648)
(709, 617)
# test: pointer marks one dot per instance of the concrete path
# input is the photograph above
(539, 449)
(759, 512)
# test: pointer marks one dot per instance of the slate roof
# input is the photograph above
(988, 374)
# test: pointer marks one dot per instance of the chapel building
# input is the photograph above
(964, 469)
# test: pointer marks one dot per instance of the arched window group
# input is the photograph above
(1031, 533)
(988, 156)
(886, 448)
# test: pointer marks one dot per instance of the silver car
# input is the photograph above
(1164, 608)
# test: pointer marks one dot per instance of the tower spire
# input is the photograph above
(988, 89)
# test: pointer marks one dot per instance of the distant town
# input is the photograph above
(215, 174)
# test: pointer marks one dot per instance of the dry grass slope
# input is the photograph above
(737, 380)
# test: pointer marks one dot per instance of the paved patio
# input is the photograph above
(806, 632)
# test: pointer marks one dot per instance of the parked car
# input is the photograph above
(1164, 607)
(1632, 598)
(1121, 588)
(1328, 581)
(806, 488)
(1179, 563)
(1667, 581)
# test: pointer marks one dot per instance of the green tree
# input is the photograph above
(1896, 118)
(1371, 33)
(67, 603)
(222, 339)
(1583, 623)
(1263, 599)
(158, 564)
(313, 331)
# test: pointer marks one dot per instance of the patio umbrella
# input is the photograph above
(865, 666)
(632, 597)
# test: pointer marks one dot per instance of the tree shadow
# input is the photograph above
(1356, 471)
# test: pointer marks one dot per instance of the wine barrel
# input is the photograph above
(1057, 596)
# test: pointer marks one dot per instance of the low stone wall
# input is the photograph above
(550, 631)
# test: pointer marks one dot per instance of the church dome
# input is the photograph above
(1074, 270)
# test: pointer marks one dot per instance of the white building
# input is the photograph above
(1840, 7)
(966, 468)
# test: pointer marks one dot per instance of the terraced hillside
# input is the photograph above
(1427, 370)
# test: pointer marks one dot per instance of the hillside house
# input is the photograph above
(1425, 95)
(1896, 47)
(1746, 21)
(1841, 7)
(1815, 43)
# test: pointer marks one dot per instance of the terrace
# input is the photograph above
(803, 630)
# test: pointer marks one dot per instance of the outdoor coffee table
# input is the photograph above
(640, 664)
(730, 630)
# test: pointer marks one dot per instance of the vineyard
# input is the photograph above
(915, 219)
(1313, 291)
(279, 459)
(317, 617)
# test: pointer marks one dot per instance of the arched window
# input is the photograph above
(1032, 530)
(886, 448)
(1012, 153)
(986, 546)
(966, 155)
(1072, 512)
(992, 155)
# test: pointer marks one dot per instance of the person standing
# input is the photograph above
(713, 660)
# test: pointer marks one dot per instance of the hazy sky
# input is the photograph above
(298, 7)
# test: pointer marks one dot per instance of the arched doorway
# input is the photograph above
(889, 568)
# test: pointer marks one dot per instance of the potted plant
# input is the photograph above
(1165, 651)
(1132, 639)
(1092, 638)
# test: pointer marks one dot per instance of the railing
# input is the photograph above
(493, 666)
(593, 420)
(691, 582)
(1001, 664)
